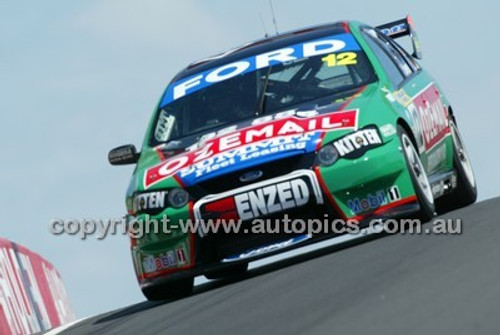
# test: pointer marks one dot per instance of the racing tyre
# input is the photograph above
(419, 178)
(230, 271)
(466, 191)
(175, 289)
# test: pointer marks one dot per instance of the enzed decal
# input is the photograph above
(356, 144)
(257, 142)
(270, 196)
(374, 200)
(272, 199)
(261, 201)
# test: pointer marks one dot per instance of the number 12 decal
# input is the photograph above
(342, 59)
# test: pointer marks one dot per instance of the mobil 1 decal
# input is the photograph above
(374, 200)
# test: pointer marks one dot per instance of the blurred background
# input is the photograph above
(78, 78)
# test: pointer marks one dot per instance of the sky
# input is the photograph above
(78, 78)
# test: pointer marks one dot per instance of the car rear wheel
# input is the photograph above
(418, 176)
(466, 191)
(171, 290)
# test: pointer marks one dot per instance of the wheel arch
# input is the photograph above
(401, 122)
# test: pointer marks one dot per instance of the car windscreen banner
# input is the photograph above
(322, 46)
(32, 294)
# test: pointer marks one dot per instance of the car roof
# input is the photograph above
(263, 45)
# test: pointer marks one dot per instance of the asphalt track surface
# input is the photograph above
(395, 284)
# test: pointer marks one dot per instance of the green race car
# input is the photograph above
(336, 122)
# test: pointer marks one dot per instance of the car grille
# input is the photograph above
(270, 170)
(221, 245)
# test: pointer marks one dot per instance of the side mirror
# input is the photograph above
(124, 155)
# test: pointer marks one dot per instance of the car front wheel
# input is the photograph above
(177, 289)
(418, 176)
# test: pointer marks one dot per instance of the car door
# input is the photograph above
(415, 92)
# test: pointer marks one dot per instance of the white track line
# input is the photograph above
(62, 328)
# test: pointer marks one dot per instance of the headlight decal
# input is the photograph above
(178, 198)
(327, 155)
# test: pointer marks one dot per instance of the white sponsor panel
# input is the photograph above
(269, 196)
(436, 157)
(272, 199)
(32, 296)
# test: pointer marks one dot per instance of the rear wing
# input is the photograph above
(400, 28)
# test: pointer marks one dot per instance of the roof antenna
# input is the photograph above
(263, 25)
(274, 16)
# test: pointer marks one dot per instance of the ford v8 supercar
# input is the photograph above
(334, 121)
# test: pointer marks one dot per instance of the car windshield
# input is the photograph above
(263, 91)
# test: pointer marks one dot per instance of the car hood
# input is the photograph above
(262, 140)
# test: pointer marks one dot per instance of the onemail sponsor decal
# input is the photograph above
(256, 144)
